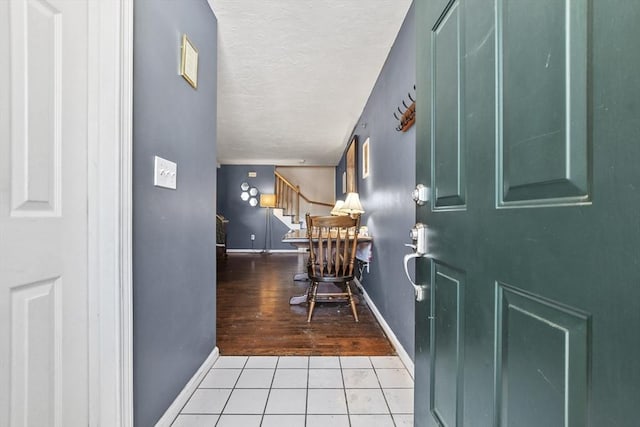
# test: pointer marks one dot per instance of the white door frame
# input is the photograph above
(109, 211)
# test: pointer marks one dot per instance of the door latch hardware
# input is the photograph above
(420, 291)
(419, 235)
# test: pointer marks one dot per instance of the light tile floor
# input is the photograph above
(293, 391)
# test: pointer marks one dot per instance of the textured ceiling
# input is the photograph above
(294, 75)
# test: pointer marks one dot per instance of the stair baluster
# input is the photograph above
(288, 198)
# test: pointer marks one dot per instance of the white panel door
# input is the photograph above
(43, 213)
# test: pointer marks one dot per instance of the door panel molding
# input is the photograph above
(542, 139)
(542, 355)
(36, 335)
(36, 104)
(447, 344)
(447, 130)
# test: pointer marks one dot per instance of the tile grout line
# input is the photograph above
(266, 403)
(232, 389)
(344, 391)
(341, 368)
(198, 388)
(384, 396)
(306, 400)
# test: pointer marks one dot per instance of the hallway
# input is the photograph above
(254, 316)
(300, 391)
(276, 369)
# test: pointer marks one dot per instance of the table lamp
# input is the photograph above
(352, 205)
(336, 210)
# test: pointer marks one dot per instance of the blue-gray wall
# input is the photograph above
(244, 219)
(385, 194)
(174, 273)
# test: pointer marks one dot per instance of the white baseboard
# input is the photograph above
(182, 398)
(402, 353)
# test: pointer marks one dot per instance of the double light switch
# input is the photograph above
(165, 173)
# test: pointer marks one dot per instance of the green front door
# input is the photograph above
(529, 141)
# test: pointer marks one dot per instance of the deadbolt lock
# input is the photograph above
(420, 194)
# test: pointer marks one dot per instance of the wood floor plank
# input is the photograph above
(254, 316)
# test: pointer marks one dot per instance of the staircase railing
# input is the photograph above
(288, 197)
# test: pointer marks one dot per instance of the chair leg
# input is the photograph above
(312, 299)
(352, 302)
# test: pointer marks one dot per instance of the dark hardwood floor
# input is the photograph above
(255, 318)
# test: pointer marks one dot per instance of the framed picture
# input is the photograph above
(365, 159)
(189, 62)
(352, 166)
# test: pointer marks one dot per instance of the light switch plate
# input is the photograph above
(165, 173)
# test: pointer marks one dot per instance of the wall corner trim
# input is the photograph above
(174, 410)
(402, 353)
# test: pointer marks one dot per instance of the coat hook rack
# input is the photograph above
(408, 116)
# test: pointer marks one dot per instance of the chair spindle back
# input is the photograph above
(332, 245)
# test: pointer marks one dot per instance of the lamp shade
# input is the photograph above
(352, 204)
(267, 200)
(337, 208)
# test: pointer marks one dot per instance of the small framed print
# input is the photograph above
(352, 166)
(365, 159)
(189, 62)
(344, 182)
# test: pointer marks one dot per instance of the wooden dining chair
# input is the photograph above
(332, 251)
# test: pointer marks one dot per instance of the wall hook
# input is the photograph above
(408, 116)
